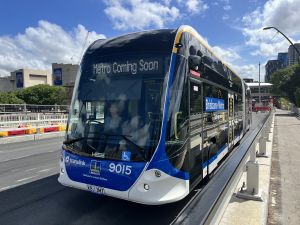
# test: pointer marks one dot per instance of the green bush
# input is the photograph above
(286, 81)
(43, 94)
(10, 98)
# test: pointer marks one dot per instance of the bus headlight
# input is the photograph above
(146, 187)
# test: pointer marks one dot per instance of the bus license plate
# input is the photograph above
(95, 189)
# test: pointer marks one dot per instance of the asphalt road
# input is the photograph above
(24, 162)
(45, 201)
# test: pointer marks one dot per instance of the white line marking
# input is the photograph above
(44, 170)
(26, 178)
(21, 157)
(30, 169)
(17, 158)
(8, 187)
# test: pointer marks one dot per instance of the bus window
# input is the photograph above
(195, 99)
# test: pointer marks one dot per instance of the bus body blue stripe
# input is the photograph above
(160, 159)
(208, 162)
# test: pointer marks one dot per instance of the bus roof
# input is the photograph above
(161, 40)
(144, 41)
(193, 32)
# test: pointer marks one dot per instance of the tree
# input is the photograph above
(286, 81)
(9, 98)
(297, 96)
(43, 94)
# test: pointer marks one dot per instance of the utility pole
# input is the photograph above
(259, 97)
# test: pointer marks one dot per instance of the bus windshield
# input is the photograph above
(116, 110)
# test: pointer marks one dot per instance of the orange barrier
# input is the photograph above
(50, 129)
(261, 108)
(32, 130)
(16, 132)
(3, 133)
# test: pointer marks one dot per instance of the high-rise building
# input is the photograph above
(283, 59)
(271, 67)
(292, 54)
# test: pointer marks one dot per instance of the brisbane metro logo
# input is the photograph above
(95, 167)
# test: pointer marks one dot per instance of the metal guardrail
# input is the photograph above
(296, 111)
(207, 206)
(31, 108)
(33, 119)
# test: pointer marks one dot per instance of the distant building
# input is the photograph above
(65, 75)
(292, 54)
(265, 91)
(24, 78)
(7, 83)
(283, 59)
(248, 80)
(271, 67)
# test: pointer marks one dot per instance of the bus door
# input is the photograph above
(195, 132)
(231, 120)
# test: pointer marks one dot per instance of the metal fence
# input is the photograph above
(296, 111)
(32, 119)
(29, 108)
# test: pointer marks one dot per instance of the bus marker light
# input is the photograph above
(157, 173)
(194, 73)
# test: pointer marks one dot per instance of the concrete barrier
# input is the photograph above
(30, 137)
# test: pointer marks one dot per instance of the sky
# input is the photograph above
(35, 33)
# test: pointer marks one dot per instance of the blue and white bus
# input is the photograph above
(153, 113)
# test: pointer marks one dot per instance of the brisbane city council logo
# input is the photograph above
(95, 167)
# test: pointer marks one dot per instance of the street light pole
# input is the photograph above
(259, 97)
(267, 28)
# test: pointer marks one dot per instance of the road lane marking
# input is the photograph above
(41, 171)
(27, 178)
(48, 169)
(8, 187)
(25, 148)
(30, 169)
(21, 157)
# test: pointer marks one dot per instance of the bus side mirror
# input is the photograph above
(194, 62)
(175, 124)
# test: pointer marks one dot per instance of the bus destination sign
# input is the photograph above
(128, 67)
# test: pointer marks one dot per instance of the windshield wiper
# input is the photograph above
(71, 141)
(140, 149)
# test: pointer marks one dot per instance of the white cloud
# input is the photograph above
(228, 55)
(143, 14)
(225, 1)
(138, 14)
(227, 7)
(196, 6)
(283, 14)
(40, 46)
(231, 57)
(225, 17)
(248, 71)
